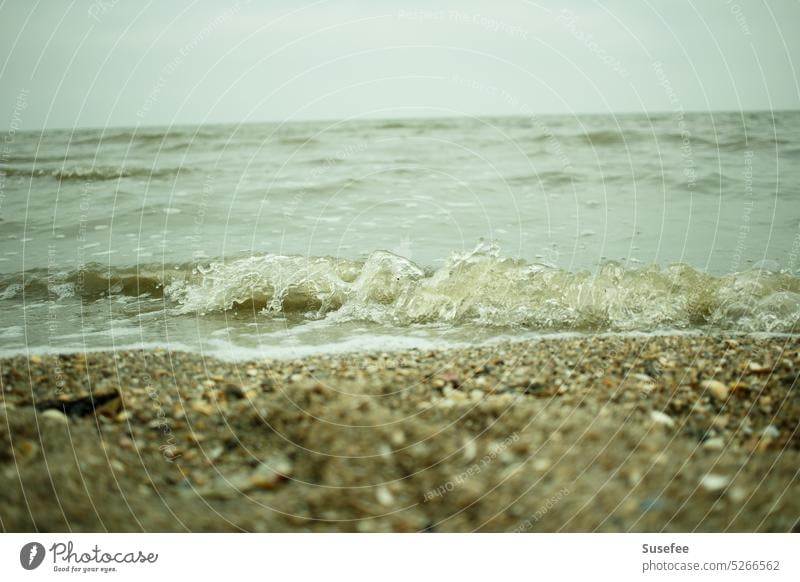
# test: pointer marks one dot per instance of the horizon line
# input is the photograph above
(332, 120)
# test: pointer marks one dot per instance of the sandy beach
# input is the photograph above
(605, 433)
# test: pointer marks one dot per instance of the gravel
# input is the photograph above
(603, 433)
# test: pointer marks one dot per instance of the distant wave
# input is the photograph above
(479, 287)
(144, 136)
(300, 140)
(91, 173)
(725, 140)
(92, 282)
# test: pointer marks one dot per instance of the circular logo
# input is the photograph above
(31, 555)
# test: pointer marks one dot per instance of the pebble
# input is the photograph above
(54, 415)
(737, 494)
(651, 504)
(203, 408)
(264, 478)
(27, 448)
(398, 438)
(126, 443)
(711, 482)
(770, 432)
(240, 415)
(719, 390)
(470, 450)
(714, 444)
(385, 451)
(660, 418)
(269, 474)
(384, 496)
(234, 391)
(541, 464)
(756, 368)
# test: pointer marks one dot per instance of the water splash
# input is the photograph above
(480, 287)
(483, 287)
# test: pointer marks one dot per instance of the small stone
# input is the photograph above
(54, 415)
(385, 451)
(770, 432)
(712, 482)
(282, 465)
(651, 504)
(476, 394)
(36, 360)
(203, 408)
(264, 478)
(470, 450)
(541, 464)
(111, 408)
(234, 391)
(534, 387)
(737, 494)
(270, 473)
(195, 437)
(384, 496)
(398, 438)
(721, 421)
(27, 448)
(660, 418)
(252, 372)
(719, 390)
(757, 368)
(714, 444)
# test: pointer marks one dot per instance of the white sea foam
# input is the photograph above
(485, 288)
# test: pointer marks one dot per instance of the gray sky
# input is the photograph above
(125, 62)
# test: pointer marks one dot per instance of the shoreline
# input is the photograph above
(594, 433)
(323, 351)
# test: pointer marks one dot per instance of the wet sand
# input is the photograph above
(670, 433)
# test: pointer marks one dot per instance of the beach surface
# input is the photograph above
(603, 433)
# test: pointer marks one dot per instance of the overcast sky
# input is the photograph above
(125, 62)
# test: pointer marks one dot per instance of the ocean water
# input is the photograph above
(280, 240)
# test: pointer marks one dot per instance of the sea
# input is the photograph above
(280, 240)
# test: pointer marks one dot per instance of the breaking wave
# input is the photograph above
(479, 287)
(90, 173)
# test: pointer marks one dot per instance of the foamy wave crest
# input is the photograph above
(90, 173)
(91, 283)
(482, 287)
